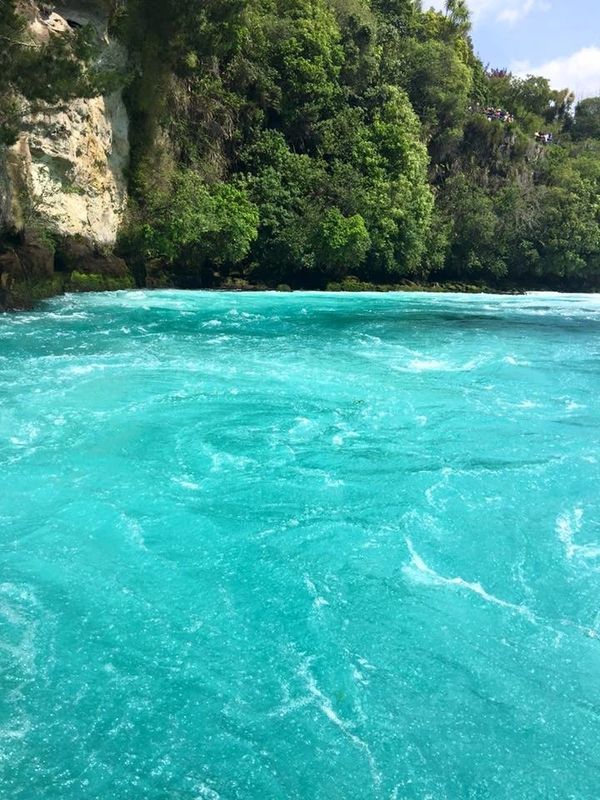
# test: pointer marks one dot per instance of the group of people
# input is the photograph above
(498, 114)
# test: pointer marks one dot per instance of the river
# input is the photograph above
(306, 546)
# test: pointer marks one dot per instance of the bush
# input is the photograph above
(91, 282)
(195, 224)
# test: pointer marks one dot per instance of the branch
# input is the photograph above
(31, 45)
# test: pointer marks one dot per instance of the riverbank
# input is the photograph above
(34, 267)
(26, 298)
(28, 283)
(26, 293)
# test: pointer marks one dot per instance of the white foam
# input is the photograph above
(360, 675)
(443, 484)
(318, 600)
(527, 404)
(568, 526)
(420, 572)
(26, 436)
(86, 369)
(369, 339)
(571, 405)
(134, 531)
(302, 429)
(223, 337)
(289, 704)
(186, 483)
(15, 732)
(325, 705)
(62, 316)
(206, 793)
(315, 697)
(219, 460)
(515, 362)
(20, 609)
(425, 365)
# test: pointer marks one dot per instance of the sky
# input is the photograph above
(559, 39)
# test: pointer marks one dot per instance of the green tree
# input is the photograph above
(341, 244)
(193, 224)
(475, 252)
(439, 84)
(586, 124)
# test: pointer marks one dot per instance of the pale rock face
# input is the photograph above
(5, 196)
(71, 158)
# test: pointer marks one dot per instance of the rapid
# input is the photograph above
(304, 546)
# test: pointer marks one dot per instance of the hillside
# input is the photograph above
(310, 143)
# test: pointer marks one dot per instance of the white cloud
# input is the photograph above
(437, 5)
(508, 11)
(513, 12)
(580, 71)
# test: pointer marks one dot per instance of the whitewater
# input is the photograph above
(306, 546)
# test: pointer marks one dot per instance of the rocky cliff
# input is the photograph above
(64, 179)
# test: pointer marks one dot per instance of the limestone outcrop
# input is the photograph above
(63, 190)
(71, 162)
(67, 169)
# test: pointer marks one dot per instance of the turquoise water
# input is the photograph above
(300, 546)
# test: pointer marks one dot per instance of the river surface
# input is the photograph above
(305, 546)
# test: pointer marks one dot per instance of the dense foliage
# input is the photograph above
(354, 140)
(309, 141)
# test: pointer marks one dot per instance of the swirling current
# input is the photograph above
(304, 546)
